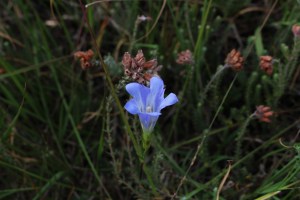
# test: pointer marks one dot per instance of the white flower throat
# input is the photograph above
(149, 109)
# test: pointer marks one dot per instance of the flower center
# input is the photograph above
(149, 109)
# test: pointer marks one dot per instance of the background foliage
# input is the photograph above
(62, 132)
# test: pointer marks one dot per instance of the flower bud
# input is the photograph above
(234, 60)
(266, 64)
(263, 113)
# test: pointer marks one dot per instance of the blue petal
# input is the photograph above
(157, 93)
(147, 102)
(139, 93)
(148, 120)
(136, 90)
(131, 107)
(168, 101)
(156, 85)
(152, 114)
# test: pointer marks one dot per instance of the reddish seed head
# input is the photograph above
(2, 71)
(151, 64)
(85, 58)
(138, 68)
(296, 30)
(185, 57)
(263, 113)
(87, 55)
(266, 64)
(148, 76)
(234, 60)
(126, 61)
(139, 58)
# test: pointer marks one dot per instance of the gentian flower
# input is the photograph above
(148, 102)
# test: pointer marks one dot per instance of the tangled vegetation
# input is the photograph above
(231, 69)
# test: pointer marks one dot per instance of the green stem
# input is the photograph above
(208, 86)
(136, 146)
(205, 134)
(292, 63)
(146, 140)
(223, 100)
(148, 174)
(136, 25)
(180, 97)
(199, 43)
(240, 136)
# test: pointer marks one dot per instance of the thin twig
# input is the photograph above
(204, 139)
(223, 181)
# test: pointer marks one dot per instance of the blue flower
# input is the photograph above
(148, 102)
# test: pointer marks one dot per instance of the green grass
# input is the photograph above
(64, 133)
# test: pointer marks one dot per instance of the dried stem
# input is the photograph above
(203, 140)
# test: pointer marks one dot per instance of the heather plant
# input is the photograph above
(149, 99)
